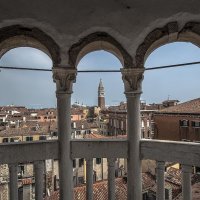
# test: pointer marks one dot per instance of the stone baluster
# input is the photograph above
(111, 178)
(89, 179)
(39, 179)
(186, 182)
(160, 177)
(13, 184)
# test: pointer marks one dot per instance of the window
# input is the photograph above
(148, 134)
(29, 138)
(55, 134)
(167, 194)
(145, 196)
(81, 162)
(142, 133)
(142, 123)
(148, 124)
(98, 161)
(5, 140)
(81, 180)
(184, 123)
(74, 163)
(195, 124)
(122, 125)
(42, 137)
(21, 170)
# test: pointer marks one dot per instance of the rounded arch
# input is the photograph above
(171, 32)
(20, 36)
(99, 41)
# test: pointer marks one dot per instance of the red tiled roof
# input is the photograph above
(100, 191)
(195, 192)
(27, 129)
(98, 136)
(173, 175)
(176, 189)
(192, 106)
(148, 181)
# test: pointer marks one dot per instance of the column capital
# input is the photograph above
(132, 78)
(64, 77)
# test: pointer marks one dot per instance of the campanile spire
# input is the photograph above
(101, 95)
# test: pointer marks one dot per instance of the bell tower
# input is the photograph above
(101, 95)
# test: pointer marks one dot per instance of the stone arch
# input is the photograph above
(171, 32)
(99, 41)
(20, 36)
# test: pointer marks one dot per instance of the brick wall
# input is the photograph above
(167, 127)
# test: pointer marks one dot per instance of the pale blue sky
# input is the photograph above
(36, 89)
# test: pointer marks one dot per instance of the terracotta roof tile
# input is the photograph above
(100, 191)
(192, 106)
(148, 181)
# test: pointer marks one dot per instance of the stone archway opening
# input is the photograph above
(21, 85)
(112, 82)
(170, 44)
(106, 54)
(173, 83)
(20, 36)
(99, 41)
(28, 47)
(102, 93)
(172, 86)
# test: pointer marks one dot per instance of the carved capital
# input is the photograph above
(64, 79)
(132, 78)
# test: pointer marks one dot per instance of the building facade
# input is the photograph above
(179, 123)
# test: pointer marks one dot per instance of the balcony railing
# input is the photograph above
(23, 152)
(185, 153)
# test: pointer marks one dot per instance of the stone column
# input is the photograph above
(160, 172)
(111, 178)
(13, 183)
(132, 78)
(89, 179)
(39, 179)
(64, 78)
(186, 182)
